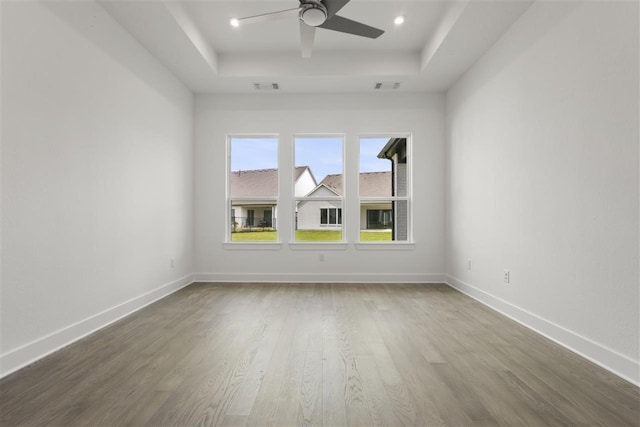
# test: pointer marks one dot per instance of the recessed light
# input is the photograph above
(234, 22)
(399, 20)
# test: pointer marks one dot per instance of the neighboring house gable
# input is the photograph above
(305, 181)
(319, 214)
(323, 190)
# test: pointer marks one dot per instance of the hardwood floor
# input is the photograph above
(323, 354)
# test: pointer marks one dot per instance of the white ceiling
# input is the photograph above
(438, 42)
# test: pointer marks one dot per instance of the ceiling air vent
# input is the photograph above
(386, 85)
(266, 86)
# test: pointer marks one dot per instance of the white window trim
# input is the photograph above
(328, 224)
(321, 245)
(318, 244)
(400, 244)
(228, 243)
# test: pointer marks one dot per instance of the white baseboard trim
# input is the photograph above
(605, 357)
(317, 278)
(20, 357)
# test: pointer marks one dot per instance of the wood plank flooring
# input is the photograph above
(316, 354)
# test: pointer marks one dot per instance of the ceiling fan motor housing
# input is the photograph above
(313, 13)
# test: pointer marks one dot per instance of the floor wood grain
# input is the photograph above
(312, 355)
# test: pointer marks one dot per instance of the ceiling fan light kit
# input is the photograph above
(314, 14)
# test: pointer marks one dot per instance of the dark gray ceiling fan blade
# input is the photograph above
(333, 6)
(271, 16)
(307, 34)
(344, 25)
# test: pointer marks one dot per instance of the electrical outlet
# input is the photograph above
(172, 263)
(468, 264)
(321, 257)
(506, 276)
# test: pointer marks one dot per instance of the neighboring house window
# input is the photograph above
(253, 188)
(384, 188)
(330, 216)
(318, 211)
(379, 219)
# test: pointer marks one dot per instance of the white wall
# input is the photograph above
(97, 180)
(352, 115)
(543, 178)
(309, 217)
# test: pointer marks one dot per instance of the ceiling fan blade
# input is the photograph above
(333, 6)
(307, 34)
(344, 25)
(271, 16)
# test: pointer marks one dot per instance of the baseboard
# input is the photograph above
(607, 358)
(317, 278)
(35, 350)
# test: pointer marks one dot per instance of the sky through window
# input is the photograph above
(322, 154)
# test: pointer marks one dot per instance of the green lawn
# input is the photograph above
(309, 236)
(367, 236)
(318, 235)
(254, 236)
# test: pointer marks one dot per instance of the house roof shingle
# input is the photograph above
(264, 183)
(372, 184)
(258, 182)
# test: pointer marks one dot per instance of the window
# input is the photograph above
(253, 188)
(319, 188)
(379, 208)
(384, 189)
(330, 216)
(379, 219)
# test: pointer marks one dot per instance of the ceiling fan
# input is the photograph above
(312, 14)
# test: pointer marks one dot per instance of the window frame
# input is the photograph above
(345, 203)
(273, 200)
(408, 198)
(319, 244)
(337, 215)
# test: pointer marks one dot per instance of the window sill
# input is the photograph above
(319, 246)
(267, 246)
(385, 246)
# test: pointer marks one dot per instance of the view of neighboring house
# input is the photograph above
(254, 197)
(261, 185)
(323, 214)
(374, 215)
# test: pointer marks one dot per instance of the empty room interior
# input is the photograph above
(305, 212)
